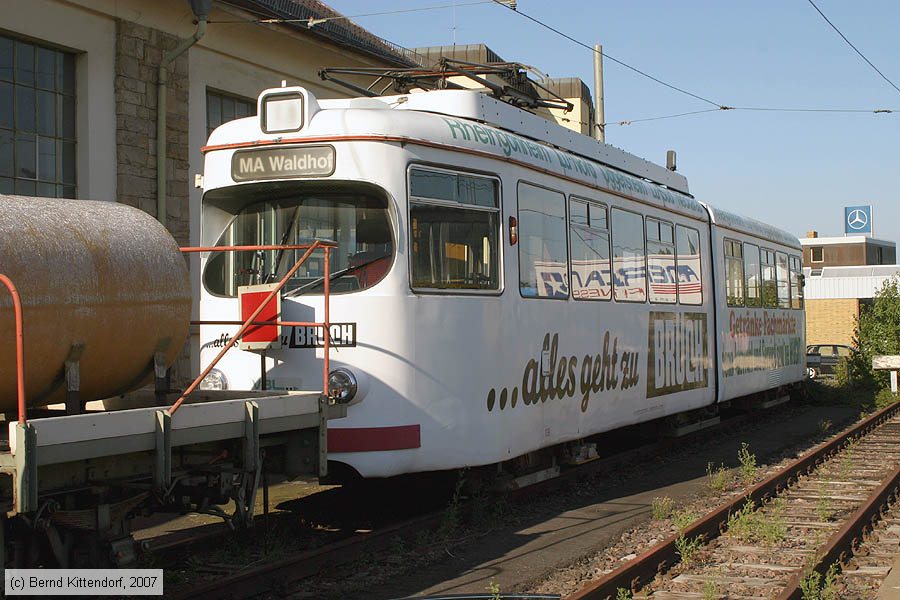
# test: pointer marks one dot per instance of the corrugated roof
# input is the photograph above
(861, 271)
(340, 31)
(848, 282)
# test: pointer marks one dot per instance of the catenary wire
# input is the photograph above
(718, 107)
(876, 111)
(849, 43)
(615, 60)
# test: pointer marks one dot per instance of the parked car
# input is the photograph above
(822, 358)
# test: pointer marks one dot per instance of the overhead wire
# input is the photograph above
(875, 111)
(615, 60)
(718, 107)
(849, 43)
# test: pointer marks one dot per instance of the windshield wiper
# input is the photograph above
(284, 239)
(335, 275)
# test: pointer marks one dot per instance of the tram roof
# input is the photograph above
(473, 120)
(477, 106)
(753, 227)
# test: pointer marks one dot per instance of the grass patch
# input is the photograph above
(718, 478)
(749, 468)
(682, 519)
(662, 508)
(815, 587)
(758, 526)
(687, 548)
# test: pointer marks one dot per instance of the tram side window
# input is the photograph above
(688, 265)
(589, 239)
(543, 257)
(783, 280)
(630, 281)
(455, 231)
(751, 273)
(769, 280)
(734, 273)
(796, 283)
(661, 275)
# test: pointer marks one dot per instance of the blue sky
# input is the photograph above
(793, 170)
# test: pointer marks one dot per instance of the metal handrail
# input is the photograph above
(251, 320)
(20, 346)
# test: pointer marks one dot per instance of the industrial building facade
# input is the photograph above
(843, 274)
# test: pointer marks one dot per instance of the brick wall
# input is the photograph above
(831, 321)
(139, 51)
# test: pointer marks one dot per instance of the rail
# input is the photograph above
(20, 346)
(251, 320)
(639, 571)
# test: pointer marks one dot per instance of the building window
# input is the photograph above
(455, 231)
(221, 108)
(543, 255)
(661, 273)
(589, 235)
(688, 265)
(734, 273)
(37, 120)
(816, 254)
(629, 272)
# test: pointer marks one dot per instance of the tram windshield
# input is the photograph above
(286, 213)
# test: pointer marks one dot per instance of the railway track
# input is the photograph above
(282, 576)
(789, 532)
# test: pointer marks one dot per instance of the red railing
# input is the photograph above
(20, 345)
(251, 320)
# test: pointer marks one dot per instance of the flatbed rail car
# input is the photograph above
(503, 286)
(73, 482)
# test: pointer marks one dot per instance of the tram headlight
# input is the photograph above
(342, 385)
(215, 380)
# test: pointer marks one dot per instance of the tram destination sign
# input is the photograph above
(282, 163)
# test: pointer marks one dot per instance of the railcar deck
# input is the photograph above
(147, 460)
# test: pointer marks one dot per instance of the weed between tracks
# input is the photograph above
(815, 587)
(710, 590)
(765, 526)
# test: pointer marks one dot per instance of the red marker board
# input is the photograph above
(260, 337)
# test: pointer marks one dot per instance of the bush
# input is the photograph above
(884, 398)
(877, 332)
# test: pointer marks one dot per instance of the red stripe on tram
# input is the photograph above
(374, 439)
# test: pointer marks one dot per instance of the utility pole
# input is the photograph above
(599, 117)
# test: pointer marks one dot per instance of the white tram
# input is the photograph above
(500, 284)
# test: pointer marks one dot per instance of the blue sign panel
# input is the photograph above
(858, 219)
